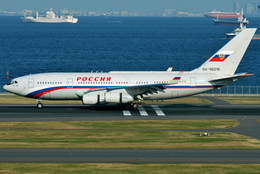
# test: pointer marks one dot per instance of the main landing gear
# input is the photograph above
(128, 105)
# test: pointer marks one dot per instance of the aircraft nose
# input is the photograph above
(5, 87)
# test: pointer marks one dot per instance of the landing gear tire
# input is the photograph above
(120, 106)
(128, 105)
(123, 105)
(39, 105)
(135, 105)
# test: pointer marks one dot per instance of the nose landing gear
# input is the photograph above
(39, 104)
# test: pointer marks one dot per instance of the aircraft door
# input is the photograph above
(193, 81)
(69, 82)
(31, 83)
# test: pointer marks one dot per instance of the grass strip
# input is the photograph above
(122, 134)
(241, 101)
(129, 124)
(124, 139)
(107, 168)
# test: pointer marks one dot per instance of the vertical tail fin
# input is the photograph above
(227, 59)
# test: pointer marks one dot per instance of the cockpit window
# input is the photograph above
(12, 82)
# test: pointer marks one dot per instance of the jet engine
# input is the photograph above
(94, 98)
(117, 97)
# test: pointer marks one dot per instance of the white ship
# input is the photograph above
(50, 17)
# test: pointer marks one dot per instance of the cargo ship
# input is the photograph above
(218, 14)
(240, 20)
(50, 17)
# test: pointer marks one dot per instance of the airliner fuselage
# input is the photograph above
(72, 86)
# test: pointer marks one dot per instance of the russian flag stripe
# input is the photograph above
(176, 78)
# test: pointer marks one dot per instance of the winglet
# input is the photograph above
(169, 69)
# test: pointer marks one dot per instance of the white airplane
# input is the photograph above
(126, 87)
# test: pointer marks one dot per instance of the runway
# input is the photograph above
(246, 114)
(146, 112)
(129, 156)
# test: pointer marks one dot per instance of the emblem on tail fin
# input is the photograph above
(221, 56)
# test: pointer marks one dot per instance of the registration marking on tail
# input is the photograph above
(142, 111)
(158, 111)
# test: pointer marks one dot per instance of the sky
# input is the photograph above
(122, 5)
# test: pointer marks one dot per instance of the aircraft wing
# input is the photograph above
(147, 89)
(144, 89)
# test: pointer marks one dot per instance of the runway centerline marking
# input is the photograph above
(142, 111)
(127, 113)
(158, 111)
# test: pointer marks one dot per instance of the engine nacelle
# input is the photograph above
(93, 99)
(117, 97)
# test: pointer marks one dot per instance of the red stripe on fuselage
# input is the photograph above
(55, 89)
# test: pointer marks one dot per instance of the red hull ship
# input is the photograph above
(218, 14)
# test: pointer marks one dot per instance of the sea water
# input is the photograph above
(117, 44)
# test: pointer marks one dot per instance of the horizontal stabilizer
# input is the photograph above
(226, 80)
